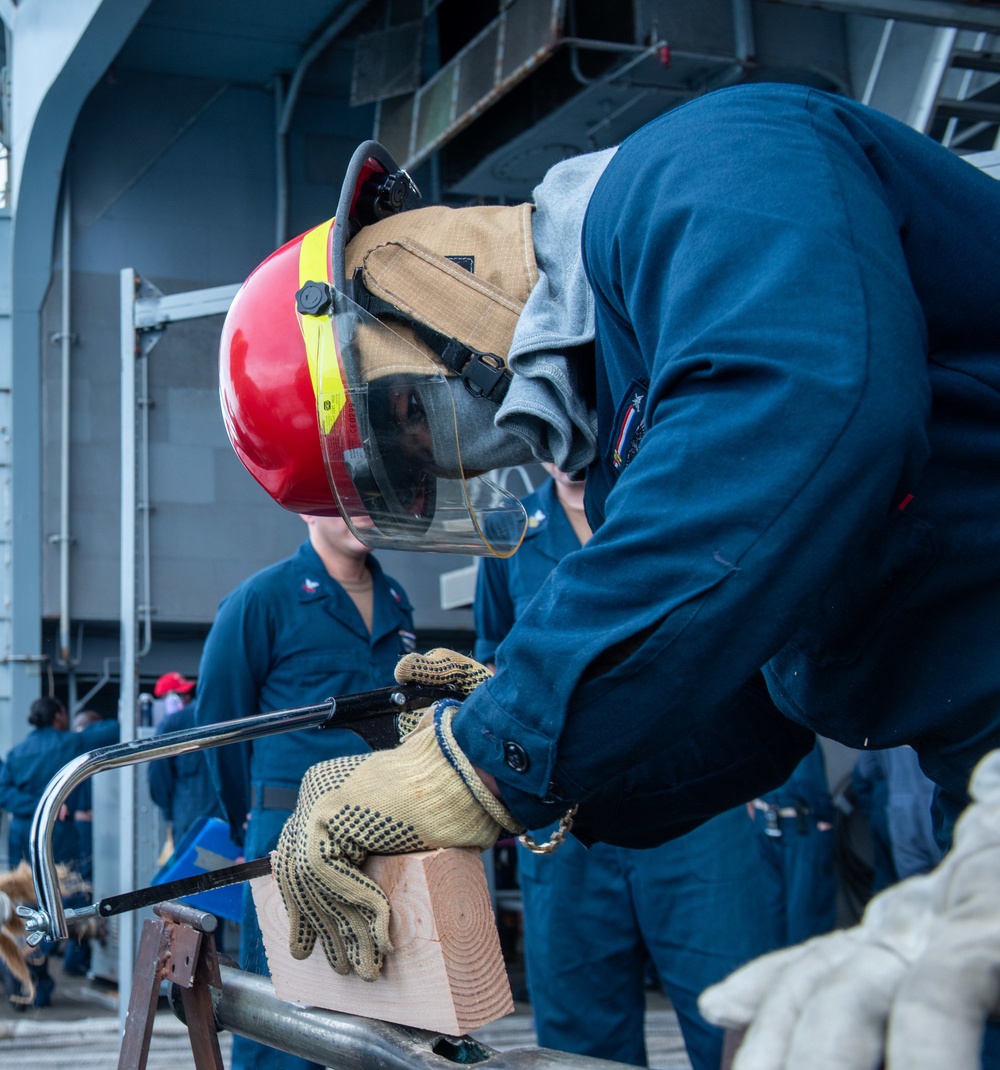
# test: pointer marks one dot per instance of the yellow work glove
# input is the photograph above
(421, 796)
(442, 667)
(437, 668)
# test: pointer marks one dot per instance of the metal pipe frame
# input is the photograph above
(65, 357)
(50, 918)
(43, 868)
(142, 309)
(935, 69)
(249, 1007)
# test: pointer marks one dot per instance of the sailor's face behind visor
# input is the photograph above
(391, 445)
(424, 304)
(397, 418)
(405, 421)
(400, 417)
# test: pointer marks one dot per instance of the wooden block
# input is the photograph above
(446, 973)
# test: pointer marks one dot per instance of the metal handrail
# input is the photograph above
(50, 918)
(248, 1006)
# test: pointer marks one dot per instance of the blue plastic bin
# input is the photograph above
(206, 846)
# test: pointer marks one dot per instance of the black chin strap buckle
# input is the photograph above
(485, 376)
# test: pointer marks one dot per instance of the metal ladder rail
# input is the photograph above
(981, 60)
(952, 54)
(959, 66)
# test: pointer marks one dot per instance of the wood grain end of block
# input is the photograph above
(470, 942)
(446, 973)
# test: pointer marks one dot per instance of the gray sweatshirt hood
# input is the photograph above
(544, 416)
(545, 406)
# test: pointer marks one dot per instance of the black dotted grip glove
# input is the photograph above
(437, 668)
(421, 796)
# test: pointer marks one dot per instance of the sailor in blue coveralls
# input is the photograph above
(182, 785)
(697, 904)
(794, 493)
(795, 834)
(800, 297)
(291, 635)
(97, 732)
(30, 765)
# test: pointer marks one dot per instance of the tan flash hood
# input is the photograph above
(450, 281)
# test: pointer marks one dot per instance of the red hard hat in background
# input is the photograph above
(172, 681)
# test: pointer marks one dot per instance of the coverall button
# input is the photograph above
(554, 794)
(516, 756)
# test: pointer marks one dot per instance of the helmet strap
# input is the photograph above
(467, 321)
(485, 375)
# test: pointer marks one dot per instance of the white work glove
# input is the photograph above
(912, 985)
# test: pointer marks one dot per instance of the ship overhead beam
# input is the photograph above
(962, 16)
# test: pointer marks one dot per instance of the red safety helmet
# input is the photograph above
(332, 411)
(268, 398)
(172, 681)
(267, 373)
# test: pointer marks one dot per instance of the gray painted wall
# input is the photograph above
(58, 51)
(175, 177)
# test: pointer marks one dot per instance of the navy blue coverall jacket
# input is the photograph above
(695, 907)
(290, 636)
(797, 499)
(181, 786)
(30, 765)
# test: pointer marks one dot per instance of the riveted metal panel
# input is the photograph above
(531, 28)
(386, 63)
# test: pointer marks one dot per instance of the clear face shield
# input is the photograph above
(391, 444)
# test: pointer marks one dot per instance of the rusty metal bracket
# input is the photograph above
(177, 946)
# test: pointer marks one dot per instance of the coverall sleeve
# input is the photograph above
(162, 781)
(785, 351)
(492, 609)
(234, 664)
(8, 789)
(18, 795)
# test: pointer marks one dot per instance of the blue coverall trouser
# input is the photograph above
(799, 875)
(262, 835)
(590, 915)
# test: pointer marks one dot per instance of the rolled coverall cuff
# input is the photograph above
(519, 758)
(444, 712)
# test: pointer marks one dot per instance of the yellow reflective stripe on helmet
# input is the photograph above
(317, 331)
